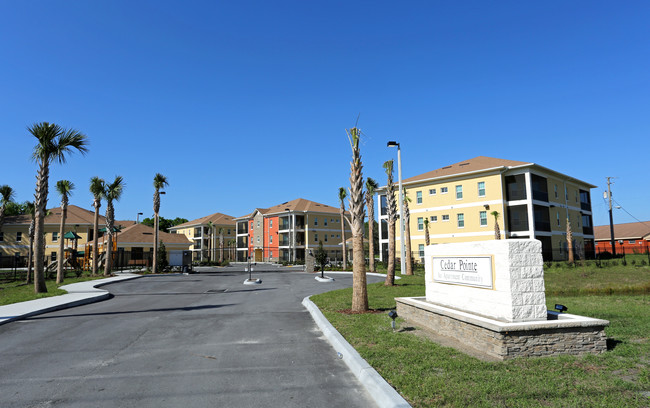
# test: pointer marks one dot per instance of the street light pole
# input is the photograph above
(401, 207)
(138, 218)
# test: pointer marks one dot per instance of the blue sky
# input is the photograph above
(244, 104)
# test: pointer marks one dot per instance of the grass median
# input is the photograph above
(14, 292)
(427, 374)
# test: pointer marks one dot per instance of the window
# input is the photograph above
(459, 192)
(555, 190)
(481, 188)
(325, 222)
(418, 197)
(19, 236)
(445, 217)
(229, 229)
(576, 196)
(632, 241)
(420, 224)
(270, 225)
(53, 256)
(461, 220)
(258, 223)
(325, 237)
(483, 218)
(270, 239)
(434, 218)
(258, 240)
(315, 222)
(316, 237)
(251, 229)
(557, 217)
(55, 237)
(421, 250)
(566, 193)
(443, 190)
(432, 191)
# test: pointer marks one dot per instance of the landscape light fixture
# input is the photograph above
(561, 308)
(393, 143)
(393, 315)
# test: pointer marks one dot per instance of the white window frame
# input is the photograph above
(460, 217)
(459, 192)
(434, 218)
(325, 222)
(479, 188)
(418, 197)
(432, 191)
(315, 236)
(420, 224)
(315, 221)
(19, 236)
(421, 250)
(445, 218)
(482, 216)
(444, 190)
(55, 236)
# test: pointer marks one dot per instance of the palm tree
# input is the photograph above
(342, 195)
(210, 240)
(64, 188)
(112, 192)
(497, 232)
(426, 231)
(371, 186)
(391, 212)
(7, 195)
(407, 235)
(54, 144)
(159, 181)
(30, 211)
(97, 190)
(569, 240)
(220, 245)
(357, 215)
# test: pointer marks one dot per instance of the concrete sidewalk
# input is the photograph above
(78, 294)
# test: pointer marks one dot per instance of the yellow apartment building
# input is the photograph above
(532, 201)
(205, 235)
(14, 237)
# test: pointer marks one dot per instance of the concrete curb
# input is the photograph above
(79, 294)
(384, 395)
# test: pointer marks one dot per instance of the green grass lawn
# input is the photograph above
(427, 374)
(14, 292)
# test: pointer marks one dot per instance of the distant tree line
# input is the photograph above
(164, 223)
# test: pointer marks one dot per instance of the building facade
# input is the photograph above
(458, 201)
(288, 231)
(629, 238)
(206, 234)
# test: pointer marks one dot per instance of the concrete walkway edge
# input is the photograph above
(80, 293)
(384, 395)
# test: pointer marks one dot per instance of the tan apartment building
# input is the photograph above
(288, 231)
(14, 237)
(205, 233)
(532, 201)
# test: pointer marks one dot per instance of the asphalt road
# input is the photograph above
(200, 340)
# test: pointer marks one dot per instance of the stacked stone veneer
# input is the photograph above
(518, 287)
(501, 341)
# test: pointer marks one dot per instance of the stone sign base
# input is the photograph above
(569, 334)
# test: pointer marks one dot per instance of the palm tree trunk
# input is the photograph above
(427, 239)
(221, 247)
(390, 270)
(407, 249)
(343, 243)
(569, 240)
(109, 241)
(95, 240)
(40, 204)
(30, 254)
(154, 269)
(59, 264)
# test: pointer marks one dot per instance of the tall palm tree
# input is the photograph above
(220, 245)
(54, 144)
(342, 195)
(357, 216)
(569, 240)
(64, 188)
(407, 235)
(159, 181)
(30, 211)
(497, 231)
(371, 187)
(391, 212)
(112, 192)
(426, 232)
(210, 241)
(6, 196)
(97, 190)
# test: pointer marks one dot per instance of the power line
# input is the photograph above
(628, 213)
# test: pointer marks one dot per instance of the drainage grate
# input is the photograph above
(216, 290)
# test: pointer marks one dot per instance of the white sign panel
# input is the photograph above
(463, 270)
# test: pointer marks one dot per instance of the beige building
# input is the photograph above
(532, 201)
(206, 233)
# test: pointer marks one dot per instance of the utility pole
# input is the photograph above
(611, 218)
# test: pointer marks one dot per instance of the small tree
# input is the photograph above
(497, 231)
(161, 257)
(407, 235)
(321, 258)
(569, 240)
(391, 211)
(426, 232)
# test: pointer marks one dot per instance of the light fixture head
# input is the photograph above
(392, 143)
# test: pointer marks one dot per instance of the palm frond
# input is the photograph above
(7, 194)
(159, 181)
(64, 187)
